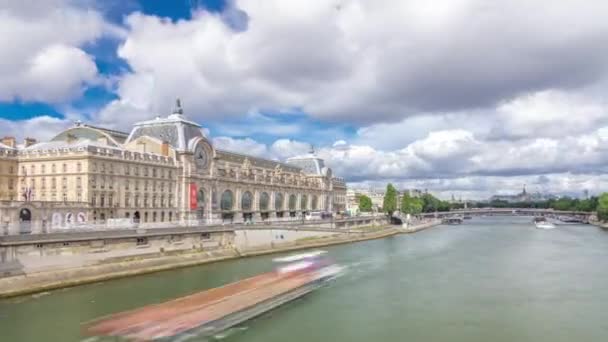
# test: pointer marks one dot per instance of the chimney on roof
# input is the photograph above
(164, 148)
(9, 141)
(178, 107)
(29, 142)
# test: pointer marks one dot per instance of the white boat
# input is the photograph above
(541, 223)
(544, 225)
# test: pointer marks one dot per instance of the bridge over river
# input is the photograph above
(490, 279)
(512, 211)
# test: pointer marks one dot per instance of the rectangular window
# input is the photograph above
(110, 200)
(43, 168)
(153, 172)
(64, 183)
(79, 167)
(53, 183)
(127, 202)
(127, 170)
(65, 168)
(127, 184)
(94, 200)
(78, 182)
(32, 169)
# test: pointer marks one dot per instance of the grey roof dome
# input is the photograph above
(309, 163)
(175, 129)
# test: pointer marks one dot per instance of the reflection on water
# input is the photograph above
(490, 279)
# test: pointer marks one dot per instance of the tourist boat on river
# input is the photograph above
(210, 312)
(541, 223)
(456, 219)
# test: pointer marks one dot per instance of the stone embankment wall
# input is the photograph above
(192, 251)
(603, 225)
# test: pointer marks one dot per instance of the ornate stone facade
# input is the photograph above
(164, 171)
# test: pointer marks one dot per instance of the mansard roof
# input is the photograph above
(255, 161)
(4, 147)
(82, 132)
(309, 163)
(174, 129)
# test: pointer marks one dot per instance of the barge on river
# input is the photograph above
(211, 311)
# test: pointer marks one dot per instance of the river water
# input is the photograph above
(490, 279)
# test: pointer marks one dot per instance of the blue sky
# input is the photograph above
(298, 125)
(461, 97)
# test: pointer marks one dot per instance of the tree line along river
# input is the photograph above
(490, 279)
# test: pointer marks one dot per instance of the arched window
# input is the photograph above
(292, 202)
(315, 203)
(278, 201)
(264, 199)
(246, 201)
(227, 200)
(304, 202)
(200, 198)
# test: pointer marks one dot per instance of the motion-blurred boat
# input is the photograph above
(210, 312)
(541, 223)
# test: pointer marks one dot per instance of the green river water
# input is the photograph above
(490, 279)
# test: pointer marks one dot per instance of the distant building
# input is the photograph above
(523, 196)
(352, 199)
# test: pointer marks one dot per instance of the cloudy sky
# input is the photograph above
(464, 97)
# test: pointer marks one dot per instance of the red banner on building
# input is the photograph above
(193, 204)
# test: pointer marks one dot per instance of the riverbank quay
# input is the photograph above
(133, 265)
(603, 225)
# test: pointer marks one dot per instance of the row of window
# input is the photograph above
(154, 185)
(101, 200)
(128, 169)
(64, 169)
(53, 183)
(146, 171)
(227, 201)
(11, 169)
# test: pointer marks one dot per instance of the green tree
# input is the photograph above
(365, 203)
(389, 205)
(602, 207)
(411, 205)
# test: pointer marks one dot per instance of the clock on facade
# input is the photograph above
(200, 156)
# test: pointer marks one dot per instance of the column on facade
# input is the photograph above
(272, 211)
(257, 216)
